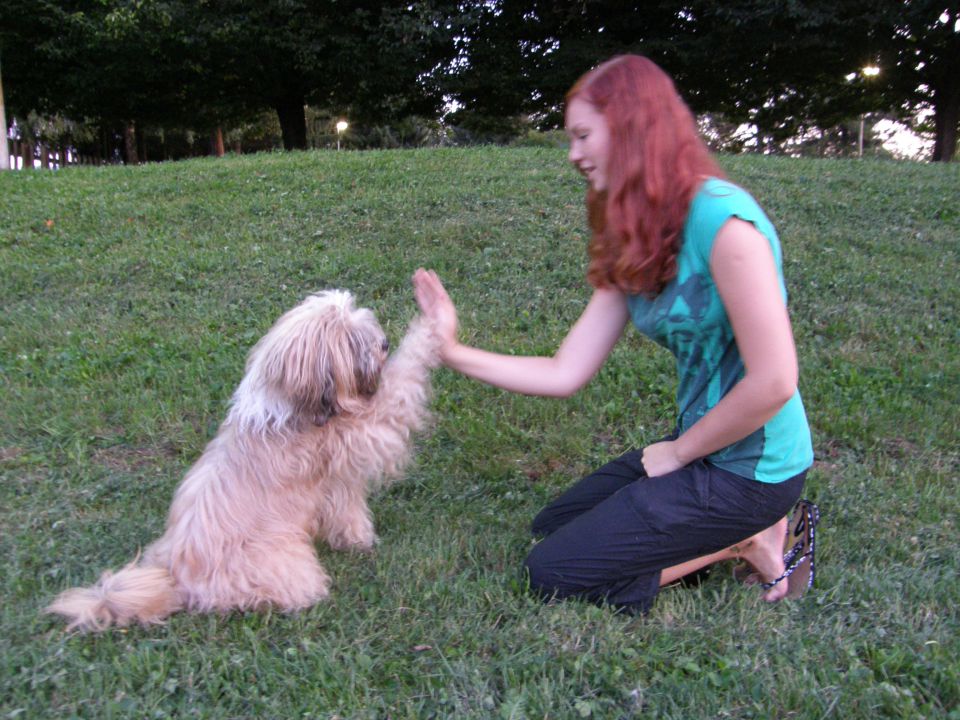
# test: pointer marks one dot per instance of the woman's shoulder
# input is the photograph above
(716, 201)
(717, 195)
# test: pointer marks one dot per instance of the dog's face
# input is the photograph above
(322, 358)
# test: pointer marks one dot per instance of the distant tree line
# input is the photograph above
(138, 80)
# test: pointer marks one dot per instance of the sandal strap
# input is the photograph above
(788, 572)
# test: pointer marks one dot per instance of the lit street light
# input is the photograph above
(341, 126)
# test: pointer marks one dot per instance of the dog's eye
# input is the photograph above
(385, 345)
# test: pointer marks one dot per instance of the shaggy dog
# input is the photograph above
(320, 419)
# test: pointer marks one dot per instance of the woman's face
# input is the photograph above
(589, 142)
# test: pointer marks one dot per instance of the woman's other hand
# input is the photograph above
(661, 458)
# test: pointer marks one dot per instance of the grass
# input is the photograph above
(131, 295)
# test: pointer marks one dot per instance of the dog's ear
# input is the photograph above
(322, 404)
(348, 370)
(313, 372)
(294, 363)
(369, 348)
(320, 399)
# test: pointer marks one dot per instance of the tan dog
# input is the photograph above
(321, 418)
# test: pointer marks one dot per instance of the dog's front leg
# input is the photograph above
(346, 523)
(399, 407)
(401, 400)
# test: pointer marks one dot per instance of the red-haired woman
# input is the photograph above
(693, 261)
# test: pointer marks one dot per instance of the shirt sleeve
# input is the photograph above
(716, 203)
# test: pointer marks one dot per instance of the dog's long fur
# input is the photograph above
(320, 419)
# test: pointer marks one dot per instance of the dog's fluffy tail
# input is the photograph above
(144, 594)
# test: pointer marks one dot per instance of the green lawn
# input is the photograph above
(130, 297)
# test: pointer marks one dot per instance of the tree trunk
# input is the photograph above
(293, 122)
(946, 114)
(216, 142)
(130, 144)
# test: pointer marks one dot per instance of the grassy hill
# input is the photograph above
(130, 297)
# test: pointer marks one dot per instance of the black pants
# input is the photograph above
(609, 536)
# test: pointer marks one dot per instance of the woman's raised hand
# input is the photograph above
(436, 305)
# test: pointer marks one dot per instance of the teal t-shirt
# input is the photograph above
(689, 319)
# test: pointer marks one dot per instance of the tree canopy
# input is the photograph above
(779, 66)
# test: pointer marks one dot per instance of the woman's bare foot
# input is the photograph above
(764, 553)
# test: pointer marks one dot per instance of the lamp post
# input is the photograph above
(869, 71)
(4, 134)
(341, 126)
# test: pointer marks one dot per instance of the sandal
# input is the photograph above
(798, 545)
(801, 532)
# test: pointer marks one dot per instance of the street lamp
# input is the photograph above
(341, 126)
(868, 71)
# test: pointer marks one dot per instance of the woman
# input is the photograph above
(695, 264)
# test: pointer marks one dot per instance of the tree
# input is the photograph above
(24, 28)
(373, 57)
(782, 66)
(778, 65)
(129, 64)
(919, 65)
(519, 57)
(117, 64)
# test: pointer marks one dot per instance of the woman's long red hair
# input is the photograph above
(657, 162)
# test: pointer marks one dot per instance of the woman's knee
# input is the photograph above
(535, 569)
(544, 523)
